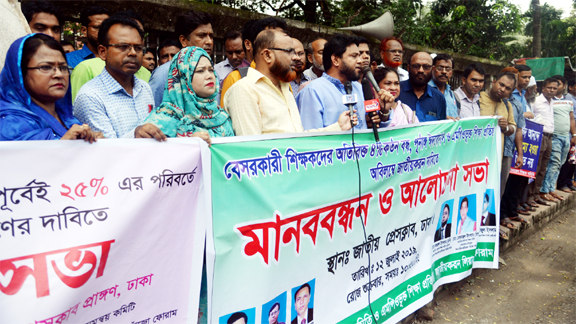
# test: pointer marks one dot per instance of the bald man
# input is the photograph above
(428, 103)
(299, 67)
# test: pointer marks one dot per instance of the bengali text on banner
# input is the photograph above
(293, 237)
(110, 232)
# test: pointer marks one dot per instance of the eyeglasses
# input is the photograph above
(290, 51)
(443, 68)
(395, 51)
(51, 69)
(417, 67)
(128, 47)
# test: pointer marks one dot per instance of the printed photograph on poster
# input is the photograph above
(247, 316)
(466, 215)
(274, 311)
(444, 227)
(303, 303)
(488, 217)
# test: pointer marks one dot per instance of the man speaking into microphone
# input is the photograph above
(324, 99)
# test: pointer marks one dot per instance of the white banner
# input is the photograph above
(105, 232)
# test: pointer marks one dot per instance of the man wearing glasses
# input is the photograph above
(441, 73)
(428, 103)
(116, 102)
(391, 51)
(299, 67)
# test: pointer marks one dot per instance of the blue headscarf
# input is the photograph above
(20, 118)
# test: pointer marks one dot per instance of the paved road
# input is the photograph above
(536, 286)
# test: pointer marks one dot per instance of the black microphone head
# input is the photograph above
(366, 69)
(348, 87)
(367, 90)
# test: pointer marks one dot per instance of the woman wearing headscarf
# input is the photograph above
(33, 81)
(189, 107)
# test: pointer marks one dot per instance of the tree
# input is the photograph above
(536, 28)
(474, 27)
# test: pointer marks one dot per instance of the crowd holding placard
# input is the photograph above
(115, 87)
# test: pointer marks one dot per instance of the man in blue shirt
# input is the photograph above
(428, 103)
(441, 73)
(91, 18)
(320, 103)
(115, 102)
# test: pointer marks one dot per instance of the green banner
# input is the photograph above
(313, 226)
(546, 67)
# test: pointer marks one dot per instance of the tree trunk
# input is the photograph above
(537, 29)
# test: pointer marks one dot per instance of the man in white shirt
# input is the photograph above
(543, 113)
(234, 55)
(468, 93)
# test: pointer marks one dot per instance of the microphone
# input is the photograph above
(349, 99)
(368, 74)
(371, 105)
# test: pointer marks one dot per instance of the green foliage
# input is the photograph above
(558, 35)
(474, 27)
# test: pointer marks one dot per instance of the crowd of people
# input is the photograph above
(270, 82)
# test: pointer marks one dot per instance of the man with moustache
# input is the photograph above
(468, 93)
(441, 73)
(428, 103)
(299, 67)
(116, 102)
(261, 102)
(91, 18)
(193, 29)
(391, 51)
(315, 50)
(234, 55)
(273, 314)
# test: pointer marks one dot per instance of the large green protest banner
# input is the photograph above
(315, 228)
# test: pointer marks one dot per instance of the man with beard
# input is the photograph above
(234, 55)
(315, 50)
(428, 103)
(491, 104)
(441, 73)
(116, 102)
(273, 314)
(391, 51)
(445, 227)
(261, 102)
(193, 29)
(91, 18)
(468, 93)
(320, 103)
(299, 67)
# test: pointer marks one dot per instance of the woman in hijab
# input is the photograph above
(34, 79)
(189, 107)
